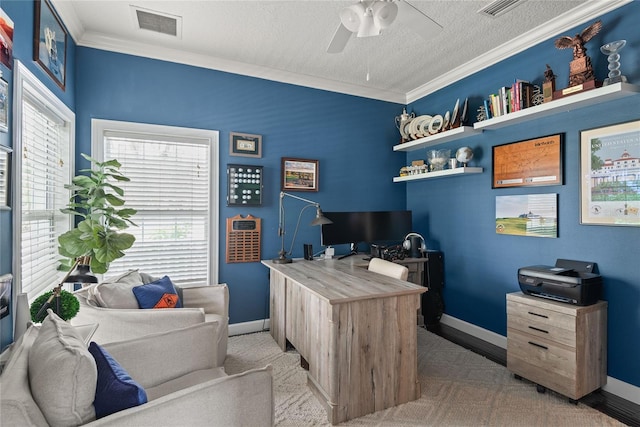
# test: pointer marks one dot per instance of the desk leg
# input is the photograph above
(277, 303)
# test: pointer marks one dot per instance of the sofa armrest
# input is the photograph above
(174, 353)
(244, 399)
(213, 298)
(123, 324)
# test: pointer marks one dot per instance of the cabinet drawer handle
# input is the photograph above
(539, 315)
(539, 345)
(538, 329)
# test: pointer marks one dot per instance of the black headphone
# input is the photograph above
(407, 243)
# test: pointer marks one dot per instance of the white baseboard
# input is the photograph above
(614, 386)
(248, 327)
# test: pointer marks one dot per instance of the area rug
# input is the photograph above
(459, 388)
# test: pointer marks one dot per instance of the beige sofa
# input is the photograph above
(51, 379)
(113, 306)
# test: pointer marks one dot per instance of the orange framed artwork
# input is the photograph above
(533, 162)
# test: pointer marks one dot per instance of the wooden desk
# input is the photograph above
(356, 329)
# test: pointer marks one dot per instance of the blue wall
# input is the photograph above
(22, 15)
(350, 136)
(458, 214)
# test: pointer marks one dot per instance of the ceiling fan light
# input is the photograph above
(384, 13)
(351, 17)
(368, 26)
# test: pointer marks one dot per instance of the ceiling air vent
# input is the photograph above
(498, 7)
(157, 21)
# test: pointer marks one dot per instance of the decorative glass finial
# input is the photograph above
(612, 49)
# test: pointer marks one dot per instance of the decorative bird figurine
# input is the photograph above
(580, 69)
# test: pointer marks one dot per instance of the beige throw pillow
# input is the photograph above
(117, 292)
(62, 374)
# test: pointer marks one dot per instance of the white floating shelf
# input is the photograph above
(439, 138)
(569, 102)
(438, 174)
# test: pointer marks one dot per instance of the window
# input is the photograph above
(174, 188)
(43, 147)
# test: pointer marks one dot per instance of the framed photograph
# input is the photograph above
(534, 215)
(50, 42)
(533, 162)
(245, 145)
(299, 174)
(6, 45)
(4, 105)
(5, 175)
(610, 175)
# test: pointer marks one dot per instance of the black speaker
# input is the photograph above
(308, 252)
(432, 301)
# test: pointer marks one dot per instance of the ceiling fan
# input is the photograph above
(369, 18)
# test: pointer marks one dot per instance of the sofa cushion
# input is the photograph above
(117, 292)
(17, 405)
(62, 374)
(158, 294)
(185, 381)
(115, 390)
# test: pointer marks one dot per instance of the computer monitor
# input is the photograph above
(366, 227)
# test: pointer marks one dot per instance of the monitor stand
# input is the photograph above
(354, 251)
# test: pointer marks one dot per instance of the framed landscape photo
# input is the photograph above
(534, 162)
(610, 175)
(50, 42)
(299, 174)
(533, 215)
(245, 145)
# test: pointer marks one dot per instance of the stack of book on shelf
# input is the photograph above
(509, 99)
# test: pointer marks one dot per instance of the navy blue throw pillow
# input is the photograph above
(115, 390)
(158, 294)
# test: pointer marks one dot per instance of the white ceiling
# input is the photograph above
(286, 40)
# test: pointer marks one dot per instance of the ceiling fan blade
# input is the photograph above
(339, 40)
(417, 21)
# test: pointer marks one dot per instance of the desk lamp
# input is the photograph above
(318, 220)
(79, 273)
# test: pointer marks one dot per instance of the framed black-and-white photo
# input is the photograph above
(245, 145)
(5, 175)
(4, 105)
(50, 42)
(609, 175)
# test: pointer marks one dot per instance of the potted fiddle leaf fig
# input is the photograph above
(98, 203)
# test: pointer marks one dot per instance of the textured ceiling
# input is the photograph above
(287, 40)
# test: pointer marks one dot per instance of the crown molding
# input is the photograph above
(102, 42)
(588, 11)
(562, 23)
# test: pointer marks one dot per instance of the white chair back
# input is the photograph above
(388, 268)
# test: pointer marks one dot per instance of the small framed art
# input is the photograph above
(299, 174)
(50, 42)
(245, 145)
(5, 175)
(533, 162)
(610, 175)
(4, 105)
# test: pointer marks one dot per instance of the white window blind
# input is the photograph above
(44, 140)
(171, 189)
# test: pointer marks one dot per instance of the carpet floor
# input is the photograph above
(459, 388)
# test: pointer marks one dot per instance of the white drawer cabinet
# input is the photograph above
(558, 346)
